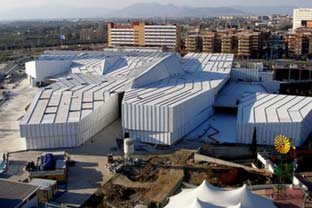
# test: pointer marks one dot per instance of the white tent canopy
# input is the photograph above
(208, 196)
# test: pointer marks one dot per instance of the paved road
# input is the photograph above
(11, 113)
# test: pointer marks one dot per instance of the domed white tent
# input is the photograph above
(208, 196)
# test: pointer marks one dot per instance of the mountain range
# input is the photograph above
(141, 10)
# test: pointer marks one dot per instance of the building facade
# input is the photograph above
(242, 43)
(143, 34)
(193, 43)
(299, 42)
(209, 40)
(302, 18)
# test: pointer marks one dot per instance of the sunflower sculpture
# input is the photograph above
(282, 144)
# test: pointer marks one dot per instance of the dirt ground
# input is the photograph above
(162, 175)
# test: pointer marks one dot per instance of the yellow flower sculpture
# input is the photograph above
(282, 144)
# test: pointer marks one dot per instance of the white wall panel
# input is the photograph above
(57, 135)
(40, 70)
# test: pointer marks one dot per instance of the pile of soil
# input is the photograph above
(148, 172)
(120, 196)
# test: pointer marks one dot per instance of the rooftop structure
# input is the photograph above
(16, 194)
(61, 63)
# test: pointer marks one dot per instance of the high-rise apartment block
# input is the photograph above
(193, 43)
(242, 43)
(299, 42)
(209, 42)
(248, 43)
(227, 43)
(302, 18)
(143, 34)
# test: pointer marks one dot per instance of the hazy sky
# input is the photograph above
(28, 9)
(12, 4)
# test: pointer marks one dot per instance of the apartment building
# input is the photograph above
(193, 43)
(209, 42)
(299, 42)
(143, 34)
(228, 43)
(248, 43)
(242, 43)
(302, 17)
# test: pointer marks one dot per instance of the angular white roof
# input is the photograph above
(148, 77)
(234, 91)
(76, 95)
(273, 108)
(208, 196)
(119, 63)
(202, 72)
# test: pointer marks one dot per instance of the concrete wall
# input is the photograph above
(71, 134)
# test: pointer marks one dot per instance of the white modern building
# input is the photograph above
(82, 102)
(301, 17)
(160, 97)
(163, 112)
(271, 115)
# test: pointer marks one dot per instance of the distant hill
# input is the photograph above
(146, 10)
(140, 10)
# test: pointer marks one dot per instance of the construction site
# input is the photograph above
(150, 180)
